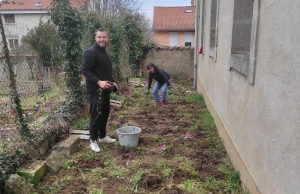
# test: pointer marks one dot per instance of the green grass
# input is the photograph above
(208, 121)
(81, 124)
(114, 96)
(135, 79)
(197, 99)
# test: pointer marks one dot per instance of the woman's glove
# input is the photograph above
(147, 91)
(170, 91)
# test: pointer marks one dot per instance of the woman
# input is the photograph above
(163, 82)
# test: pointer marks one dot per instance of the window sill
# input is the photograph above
(212, 53)
(241, 63)
(10, 23)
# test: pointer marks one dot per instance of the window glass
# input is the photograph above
(188, 44)
(9, 18)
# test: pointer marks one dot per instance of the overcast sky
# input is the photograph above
(147, 5)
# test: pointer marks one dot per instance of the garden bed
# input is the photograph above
(80, 128)
(179, 151)
(116, 100)
(134, 81)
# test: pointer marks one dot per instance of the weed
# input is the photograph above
(186, 165)
(92, 155)
(58, 185)
(116, 123)
(176, 128)
(156, 140)
(195, 126)
(114, 96)
(212, 184)
(197, 99)
(121, 117)
(117, 144)
(68, 163)
(136, 180)
(232, 178)
(135, 79)
(165, 148)
(208, 121)
(82, 123)
(97, 191)
(164, 169)
(136, 149)
(191, 186)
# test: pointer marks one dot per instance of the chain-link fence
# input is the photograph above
(40, 88)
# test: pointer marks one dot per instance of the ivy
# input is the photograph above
(116, 41)
(9, 162)
(69, 23)
(134, 37)
(91, 23)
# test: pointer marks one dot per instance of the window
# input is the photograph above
(188, 44)
(202, 31)
(173, 38)
(244, 29)
(188, 38)
(9, 18)
(13, 43)
(214, 19)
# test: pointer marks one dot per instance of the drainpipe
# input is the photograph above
(197, 23)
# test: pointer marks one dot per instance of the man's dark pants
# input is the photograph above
(98, 122)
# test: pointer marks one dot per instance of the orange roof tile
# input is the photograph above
(174, 18)
(25, 5)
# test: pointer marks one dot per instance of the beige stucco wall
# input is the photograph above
(259, 123)
(163, 38)
(177, 62)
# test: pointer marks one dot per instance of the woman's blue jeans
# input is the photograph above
(163, 87)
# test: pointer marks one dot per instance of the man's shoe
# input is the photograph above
(107, 139)
(163, 104)
(94, 146)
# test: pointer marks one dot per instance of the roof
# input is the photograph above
(174, 18)
(30, 5)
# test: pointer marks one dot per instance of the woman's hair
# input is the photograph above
(150, 65)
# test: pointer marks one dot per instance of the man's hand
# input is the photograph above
(104, 84)
(170, 91)
(147, 91)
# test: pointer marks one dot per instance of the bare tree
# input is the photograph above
(114, 9)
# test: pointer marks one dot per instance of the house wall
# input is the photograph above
(163, 38)
(177, 62)
(23, 24)
(259, 121)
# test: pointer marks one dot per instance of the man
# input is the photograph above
(97, 70)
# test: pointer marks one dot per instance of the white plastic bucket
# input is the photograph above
(129, 136)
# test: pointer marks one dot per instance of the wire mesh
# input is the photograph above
(41, 88)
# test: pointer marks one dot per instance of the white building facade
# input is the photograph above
(249, 74)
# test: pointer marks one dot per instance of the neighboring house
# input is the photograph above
(174, 26)
(249, 74)
(193, 2)
(20, 16)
